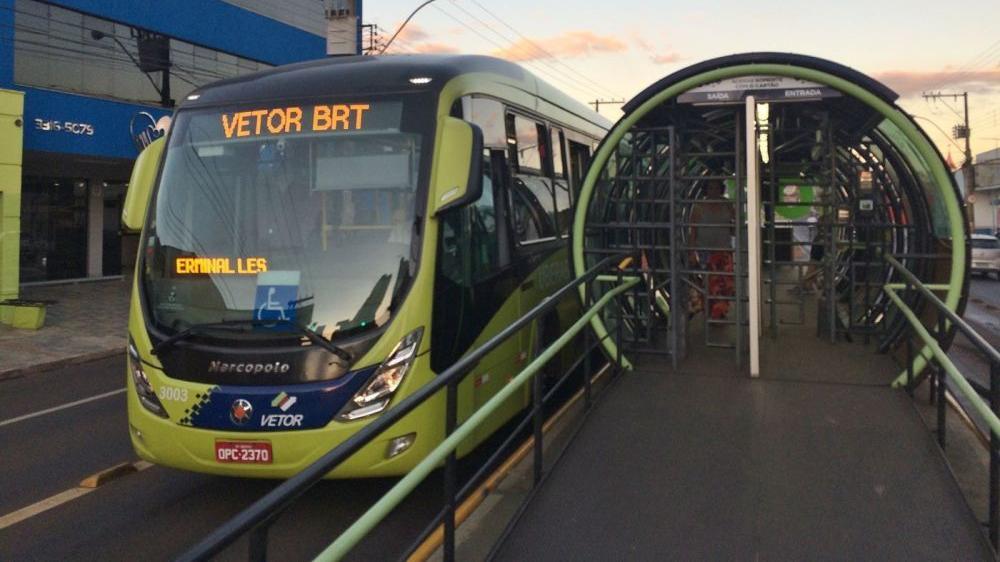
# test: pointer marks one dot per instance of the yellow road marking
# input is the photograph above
(69, 495)
(42, 506)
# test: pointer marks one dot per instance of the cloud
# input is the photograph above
(415, 39)
(567, 44)
(907, 83)
(412, 32)
(654, 54)
(665, 58)
(433, 48)
(642, 43)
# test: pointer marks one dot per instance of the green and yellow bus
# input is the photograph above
(321, 239)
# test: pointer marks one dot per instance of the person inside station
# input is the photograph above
(710, 236)
(803, 233)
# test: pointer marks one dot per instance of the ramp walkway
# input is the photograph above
(678, 465)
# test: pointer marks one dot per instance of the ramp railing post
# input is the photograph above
(586, 351)
(450, 474)
(621, 320)
(994, 459)
(909, 350)
(536, 392)
(941, 406)
(909, 364)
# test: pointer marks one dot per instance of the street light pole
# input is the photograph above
(406, 21)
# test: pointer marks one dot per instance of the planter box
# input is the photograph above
(25, 315)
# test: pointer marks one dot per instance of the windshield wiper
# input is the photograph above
(234, 326)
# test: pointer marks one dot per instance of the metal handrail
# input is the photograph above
(268, 507)
(979, 341)
(988, 412)
(952, 371)
(364, 524)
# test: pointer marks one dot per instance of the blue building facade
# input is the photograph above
(99, 76)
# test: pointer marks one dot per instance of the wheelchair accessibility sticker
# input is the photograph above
(277, 296)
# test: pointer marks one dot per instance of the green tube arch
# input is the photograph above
(941, 177)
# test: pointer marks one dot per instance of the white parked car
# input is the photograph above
(986, 254)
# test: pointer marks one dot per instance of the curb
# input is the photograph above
(20, 372)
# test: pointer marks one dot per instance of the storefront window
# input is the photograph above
(53, 228)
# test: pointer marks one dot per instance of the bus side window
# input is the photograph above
(469, 240)
(564, 200)
(579, 157)
(484, 241)
(526, 140)
(533, 206)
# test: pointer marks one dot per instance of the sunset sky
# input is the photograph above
(600, 50)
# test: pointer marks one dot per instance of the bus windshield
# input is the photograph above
(288, 213)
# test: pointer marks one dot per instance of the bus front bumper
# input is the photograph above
(164, 442)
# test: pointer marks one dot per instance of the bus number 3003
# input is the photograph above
(251, 452)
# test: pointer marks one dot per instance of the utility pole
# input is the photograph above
(372, 31)
(597, 103)
(961, 132)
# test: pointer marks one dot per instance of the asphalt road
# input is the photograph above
(156, 513)
(982, 312)
(983, 309)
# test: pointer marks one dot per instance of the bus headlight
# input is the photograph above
(376, 394)
(147, 396)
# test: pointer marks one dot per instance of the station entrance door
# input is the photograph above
(756, 225)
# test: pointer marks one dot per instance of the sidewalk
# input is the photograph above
(86, 321)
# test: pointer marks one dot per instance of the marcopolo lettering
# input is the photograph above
(248, 368)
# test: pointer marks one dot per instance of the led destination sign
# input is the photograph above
(220, 266)
(295, 119)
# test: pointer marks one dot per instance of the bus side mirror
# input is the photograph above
(459, 177)
(140, 186)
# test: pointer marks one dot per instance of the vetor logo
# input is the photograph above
(145, 128)
(284, 401)
(241, 411)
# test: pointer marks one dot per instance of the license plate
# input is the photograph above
(246, 452)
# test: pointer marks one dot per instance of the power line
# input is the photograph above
(967, 69)
(92, 53)
(536, 45)
(597, 103)
(80, 51)
(544, 59)
(403, 46)
(87, 44)
(499, 46)
(938, 127)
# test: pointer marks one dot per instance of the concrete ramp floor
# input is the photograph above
(675, 466)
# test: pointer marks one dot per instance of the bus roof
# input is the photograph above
(383, 74)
